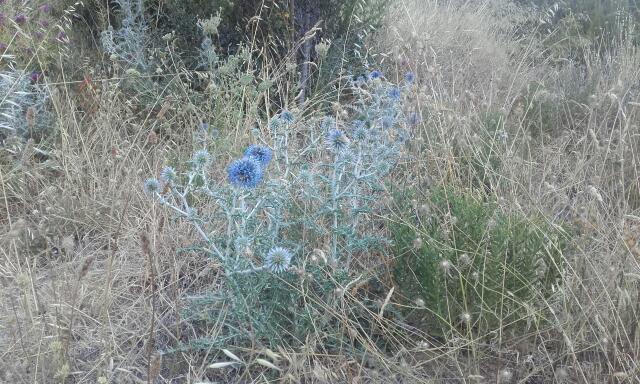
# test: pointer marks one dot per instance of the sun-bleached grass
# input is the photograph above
(570, 156)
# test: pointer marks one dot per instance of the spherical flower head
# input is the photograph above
(201, 159)
(245, 173)
(275, 123)
(35, 76)
(394, 93)
(260, 153)
(278, 259)
(168, 175)
(46, 8)
(337, 140)
(62, 37)
(414, 118)
(287, 117)
(360, 133)
(410, 77)
(357, 124)
(375, 74)
(151, 186)
(241, 243)
(20, 19)
(388, 121)
(328, 123)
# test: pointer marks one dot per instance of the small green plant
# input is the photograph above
(469, 266)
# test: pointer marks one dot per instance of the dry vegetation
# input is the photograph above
(94, 277)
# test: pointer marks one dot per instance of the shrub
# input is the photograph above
(24, 108)
(32, 34)
(473, 267)
(573, 28)
(283, 202)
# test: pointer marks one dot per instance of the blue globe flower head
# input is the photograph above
(388, 121)
(328, 123)
(151, 186)
(275, 123)
(394, 93)
(201, 159)
(360, 133)
(356, 124)
(410, 77)
(337, 140)
(278, 259)
(241, 243)
(260, 153)
(359, 130)
(414, 118)
(168, 175)
(245, 173)
(375, 74)
(287, 117)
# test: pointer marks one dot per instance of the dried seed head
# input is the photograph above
(152, 137)
(505, 376)
(446, 266)
(423, 345)
(31, 117)
(419, 302)
(68, 244)
(465, 317)
(562, 374)
(319, 255)
(85, 267)
(541, 268)
(23, 280)
(464, 260)
(417, 243)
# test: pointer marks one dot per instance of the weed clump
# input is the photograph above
(282, 201)
(473, 266)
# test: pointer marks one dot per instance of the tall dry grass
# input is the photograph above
(571, 156)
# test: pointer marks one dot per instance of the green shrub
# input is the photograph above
(474, 267)
(275, 310)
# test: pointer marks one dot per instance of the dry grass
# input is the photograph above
(579, 170)
(94, 280)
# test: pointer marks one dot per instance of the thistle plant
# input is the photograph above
(32, 34)
(128, 43)
(281, 201)
(23, 104)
